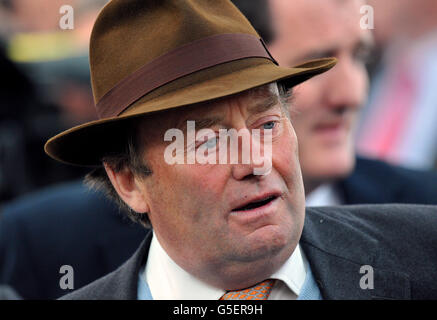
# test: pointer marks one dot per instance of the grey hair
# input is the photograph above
(285, 98)
(130, 157)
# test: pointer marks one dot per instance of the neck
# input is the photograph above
(240, 275)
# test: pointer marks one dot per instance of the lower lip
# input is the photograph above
(256, 214)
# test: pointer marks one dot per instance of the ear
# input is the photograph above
(128, 188)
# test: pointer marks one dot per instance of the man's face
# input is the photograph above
(196, 209)
(326, 107)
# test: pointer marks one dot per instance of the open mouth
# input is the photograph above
(256, 204)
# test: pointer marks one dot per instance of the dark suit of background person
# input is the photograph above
(338, 242)
(374, 181)
(62, 225)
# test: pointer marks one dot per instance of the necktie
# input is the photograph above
(259, 291)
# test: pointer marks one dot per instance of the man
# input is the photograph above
(222, 227)
(326, 109)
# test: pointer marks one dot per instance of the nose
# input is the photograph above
(243, 172)
(254, 156)
(345, 85)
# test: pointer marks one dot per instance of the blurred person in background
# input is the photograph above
(65, 224)
(326, 109)
(45, 87)
(25, 122)
(56, 59)
(399, 122)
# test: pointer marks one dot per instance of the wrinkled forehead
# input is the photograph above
(247, 98)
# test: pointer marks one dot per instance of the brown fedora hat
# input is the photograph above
(154, 55)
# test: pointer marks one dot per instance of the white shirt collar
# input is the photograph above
(168, 281)
(324, 195)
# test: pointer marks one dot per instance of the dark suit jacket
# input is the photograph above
(374, 181)
(398, 242)
(63, 225)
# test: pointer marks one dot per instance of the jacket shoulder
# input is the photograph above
(381, 222)
(393, 237)
(101, 289)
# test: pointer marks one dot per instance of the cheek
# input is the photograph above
(196, 190)
(285, 154)
(286, 163)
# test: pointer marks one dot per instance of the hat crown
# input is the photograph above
(129, 34)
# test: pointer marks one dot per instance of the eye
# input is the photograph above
(211, 143)
(208, 144)
(269, 125)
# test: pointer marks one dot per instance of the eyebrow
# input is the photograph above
(202, 123)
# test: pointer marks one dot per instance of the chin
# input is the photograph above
(272, 241)
(264, 243)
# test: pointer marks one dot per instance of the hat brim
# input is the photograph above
(85, 144)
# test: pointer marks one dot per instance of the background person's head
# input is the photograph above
(325, 109)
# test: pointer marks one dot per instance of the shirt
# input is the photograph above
(324, 195)
(166, 280)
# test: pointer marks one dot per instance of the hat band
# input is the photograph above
(182, 61)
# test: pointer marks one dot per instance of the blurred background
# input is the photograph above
(399, 121)
(45, 88)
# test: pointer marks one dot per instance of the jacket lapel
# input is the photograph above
(337, 253)
(123, 283)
